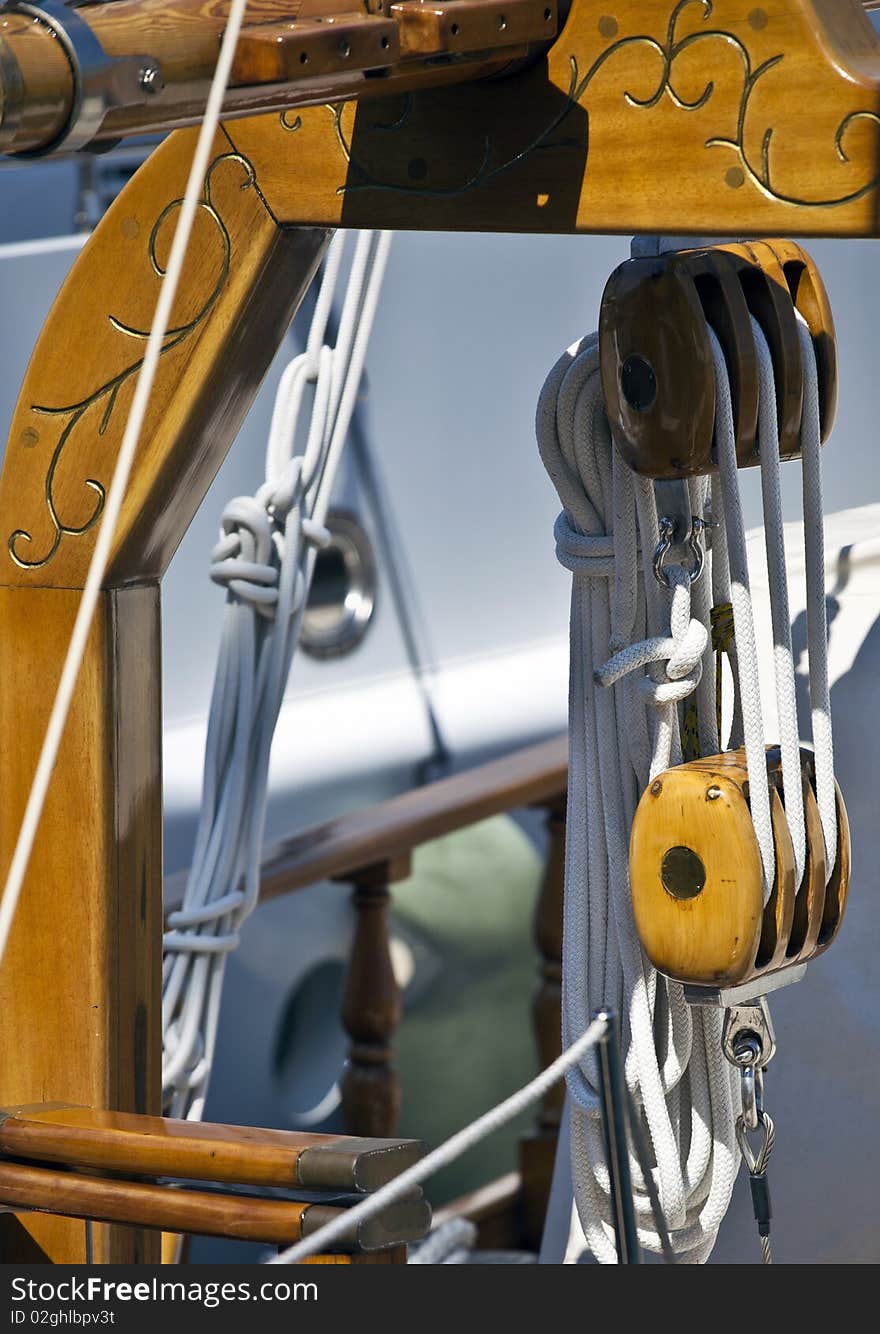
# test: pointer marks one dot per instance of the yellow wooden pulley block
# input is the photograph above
(696, 878)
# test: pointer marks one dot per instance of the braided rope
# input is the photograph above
(673, 1061)
(645, 650)
(264, 559)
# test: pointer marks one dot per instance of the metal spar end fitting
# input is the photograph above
(101, 82)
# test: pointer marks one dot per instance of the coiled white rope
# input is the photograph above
(680, 1081)
(265, 558)
(119, 482)
(685, 1090)
(449, 1244)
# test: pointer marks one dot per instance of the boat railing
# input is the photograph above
(371, 849)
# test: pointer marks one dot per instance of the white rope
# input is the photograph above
(817, 626)
(446, 1153)
(619, 737)
(817, 636)
(449, 1244)
(780, 613)
(720, 597)
(265, 558)
(116, 493)
(743, 618)
(686, 1092)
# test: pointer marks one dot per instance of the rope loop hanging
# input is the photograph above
(264, 559)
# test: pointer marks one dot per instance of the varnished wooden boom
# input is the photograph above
(290, 53)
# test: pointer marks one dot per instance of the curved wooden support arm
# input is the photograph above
(244, 279)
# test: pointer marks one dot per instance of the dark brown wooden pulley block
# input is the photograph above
(697, 881)
(657, 367)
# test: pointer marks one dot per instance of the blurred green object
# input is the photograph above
(462, 944)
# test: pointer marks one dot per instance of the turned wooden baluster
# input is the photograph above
(371, 1008)
(547, 1007)
(538, 1149)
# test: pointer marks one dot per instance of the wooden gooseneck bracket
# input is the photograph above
(703, 116)
(721, 117)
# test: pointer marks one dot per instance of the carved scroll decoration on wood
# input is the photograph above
(718, 115)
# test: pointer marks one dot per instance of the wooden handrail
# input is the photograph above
(494, 1208)
(371, 849)
(391, 830)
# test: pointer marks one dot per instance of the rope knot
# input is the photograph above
(247, 559)
(688, 649)
(591, 555)
(243, 561)
(674, 662)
